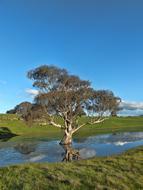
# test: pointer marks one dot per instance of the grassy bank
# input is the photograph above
(124, 172)
(113, 125)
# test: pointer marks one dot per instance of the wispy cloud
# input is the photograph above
(131, 105)
(32, 92)
(131, 108)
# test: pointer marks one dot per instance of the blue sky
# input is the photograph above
(99, 40)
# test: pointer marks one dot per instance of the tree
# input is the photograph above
(70, 154)
(104, 102)
(11, 111)
(108, 101)
(21, 109)
(24, 111)
(116, 107)
(67, 96)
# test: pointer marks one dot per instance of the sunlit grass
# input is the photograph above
(113, 125)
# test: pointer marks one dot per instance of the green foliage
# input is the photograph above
(122, 172)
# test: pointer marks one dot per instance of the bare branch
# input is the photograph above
(55, 124)
(98, 121)
(79, 127)
(91, 123)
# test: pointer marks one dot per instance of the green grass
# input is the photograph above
(113, 125)
(124, 172)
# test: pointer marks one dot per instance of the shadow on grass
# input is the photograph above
(6, 134)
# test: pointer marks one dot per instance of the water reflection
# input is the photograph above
(45, 150)
(86, 153)
(6, 134)
(66, 153)
(70, 154)
(5, 139)
(27, 148)
(117, 139)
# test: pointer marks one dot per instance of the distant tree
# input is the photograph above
(21, 109)
(35, 112)
(67, 96)
(12, 111)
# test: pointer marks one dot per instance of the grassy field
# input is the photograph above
(124, 172)
(113, 125)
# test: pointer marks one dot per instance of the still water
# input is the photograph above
(45, 150)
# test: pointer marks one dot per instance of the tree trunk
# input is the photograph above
(70, 154)
(67, 138)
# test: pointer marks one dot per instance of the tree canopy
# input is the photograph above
(67, 96)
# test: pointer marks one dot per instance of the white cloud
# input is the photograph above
(131, 105)
(32, 92)
(120, 143)
(131, 108)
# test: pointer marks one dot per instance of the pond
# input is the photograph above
(46, 150)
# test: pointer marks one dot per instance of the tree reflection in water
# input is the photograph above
(25, 148)
(54, 153)
(5, 139)
(70, 154)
